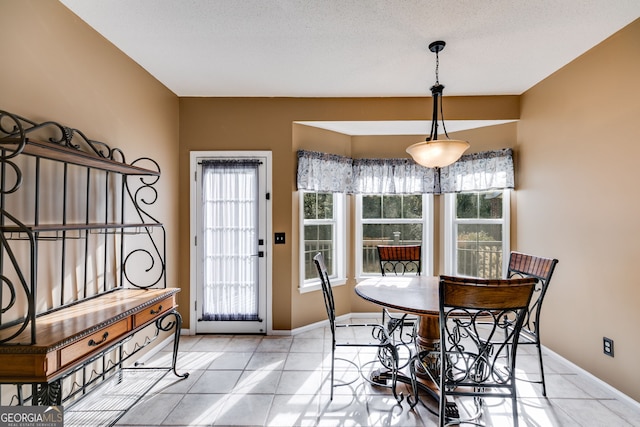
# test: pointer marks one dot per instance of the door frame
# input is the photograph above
(193, 229)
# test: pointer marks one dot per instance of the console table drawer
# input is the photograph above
(94, 341)
(153, 311)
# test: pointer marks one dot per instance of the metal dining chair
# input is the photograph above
(387, 353)
(399, 260)
(477, 349)
(525, 265)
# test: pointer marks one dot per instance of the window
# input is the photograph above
(392, 219)
(322, 231)
(477, 233)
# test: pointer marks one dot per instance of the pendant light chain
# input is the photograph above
(437, 68)
(444, 127)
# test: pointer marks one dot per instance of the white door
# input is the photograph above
(231, 199)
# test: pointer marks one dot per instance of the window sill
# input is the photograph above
(317, 287)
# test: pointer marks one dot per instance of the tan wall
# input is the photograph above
(57, 68)
(577, 172)
(267, 124)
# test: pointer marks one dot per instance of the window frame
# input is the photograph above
(427, 233)
(338, 267)
(451, 223)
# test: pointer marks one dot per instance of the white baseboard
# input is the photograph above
(374, 315)
(324, 323)
(320, 324)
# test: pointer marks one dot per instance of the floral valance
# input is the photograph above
(488, 170)
(325, 173)
(331, 173)
(391, 176)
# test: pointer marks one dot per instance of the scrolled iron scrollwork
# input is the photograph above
(141, 189)
(151, 259)
(141, 192)
(12, 141)
(28, 317)
(14, 130)
(13, 136)
(12, 294)
(17, 182)
(163, 325)
(117, 152)
(24, 321)
(98, 148)
(48, 393)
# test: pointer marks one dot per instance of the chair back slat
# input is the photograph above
(530, 265)
(400, 259)
(491, 297)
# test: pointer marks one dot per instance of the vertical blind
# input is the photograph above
(230, 231)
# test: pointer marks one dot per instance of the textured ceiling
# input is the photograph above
(325, 48)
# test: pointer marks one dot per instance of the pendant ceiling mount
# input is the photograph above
(437, 46)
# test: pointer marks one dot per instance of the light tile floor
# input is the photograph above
(283, 381)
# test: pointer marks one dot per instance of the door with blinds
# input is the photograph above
(231, 243)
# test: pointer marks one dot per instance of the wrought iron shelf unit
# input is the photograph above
(83, 284)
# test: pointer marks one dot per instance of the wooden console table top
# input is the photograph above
(67, 336)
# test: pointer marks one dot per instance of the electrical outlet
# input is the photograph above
(607, 344)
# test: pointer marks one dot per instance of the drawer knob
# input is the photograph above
(156, 311)
(93, 343)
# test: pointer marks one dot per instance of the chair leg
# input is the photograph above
(394, 374)
(544, 386)
(414, 398)
(514, 404)
(442, 418)
(333, 358)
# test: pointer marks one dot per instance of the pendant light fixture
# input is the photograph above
(434, 152)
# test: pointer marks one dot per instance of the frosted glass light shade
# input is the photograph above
(438, 153)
